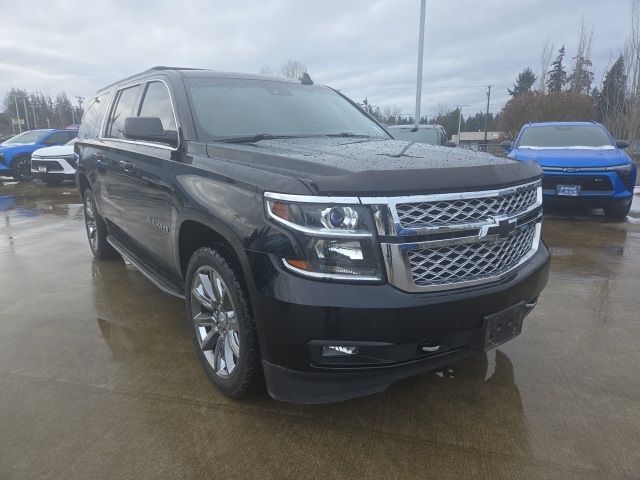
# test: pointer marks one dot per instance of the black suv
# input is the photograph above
(312, 249)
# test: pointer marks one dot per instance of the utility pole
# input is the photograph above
(35, 121)
(459, 119)
(423, 6)
(486, 117)
(15, 99)
(26, 114)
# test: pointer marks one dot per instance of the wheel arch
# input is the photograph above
(194, 234)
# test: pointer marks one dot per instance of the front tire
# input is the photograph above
(619, 213)
(223, 331)
(96, 229)
(21, 168)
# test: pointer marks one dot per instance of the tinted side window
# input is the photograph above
(125, 107)
(57, 138)
(157, 103)
(92, 118)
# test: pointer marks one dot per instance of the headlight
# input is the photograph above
(336, 240)
(625, 172)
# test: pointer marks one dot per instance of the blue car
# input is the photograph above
(15, 153)
(582, 164)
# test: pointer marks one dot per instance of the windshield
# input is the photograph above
(423, 135)
(225, 108)
(32, 136)
(565, 136)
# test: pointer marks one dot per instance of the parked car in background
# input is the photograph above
(582, 164)
(310, 247)
(15, 153)
(55, 164)
(429, 134)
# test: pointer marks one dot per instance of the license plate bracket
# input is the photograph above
(500, 327)
(568, 190)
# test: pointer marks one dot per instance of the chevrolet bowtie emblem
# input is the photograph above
(503, 228)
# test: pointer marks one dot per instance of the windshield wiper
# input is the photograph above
(254, 138)
(347, 135)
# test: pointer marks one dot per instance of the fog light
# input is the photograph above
(338, 350)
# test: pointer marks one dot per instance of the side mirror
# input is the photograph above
(507, 145)
(622, 144)
(150, 129)
(450, 144)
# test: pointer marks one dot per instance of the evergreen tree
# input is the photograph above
(557, 75)
(524, 82)
(614, 90)
(581, 78)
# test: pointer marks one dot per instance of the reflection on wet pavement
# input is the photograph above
(98, 378)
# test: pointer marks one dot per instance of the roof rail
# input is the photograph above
(150, 70)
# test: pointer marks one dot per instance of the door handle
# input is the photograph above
(126, 165)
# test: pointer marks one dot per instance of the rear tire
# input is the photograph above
(53, 180)
(21, 168)
(96, 229)
(619, 213)
(223, 330)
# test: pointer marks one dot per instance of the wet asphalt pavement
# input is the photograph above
(98, 377)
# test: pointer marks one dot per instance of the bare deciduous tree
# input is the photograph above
(545, 61)
(293, 69)
(266, 70)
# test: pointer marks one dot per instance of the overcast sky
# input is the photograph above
(362, 47)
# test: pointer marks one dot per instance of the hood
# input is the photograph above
(7, 146)
(571, 157)
(377, 166)
(55, 151)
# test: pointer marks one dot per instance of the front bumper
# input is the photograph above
(295, 316)
(48, 167)
(598, 188)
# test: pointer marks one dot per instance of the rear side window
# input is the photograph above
(92, 119)
(125, 107)
(57, 138)
(157, 103)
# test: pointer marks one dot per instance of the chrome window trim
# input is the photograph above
(399, 271)
(143, 83)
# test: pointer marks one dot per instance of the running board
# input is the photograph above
(156, 278)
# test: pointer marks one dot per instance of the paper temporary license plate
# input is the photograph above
(568, 190)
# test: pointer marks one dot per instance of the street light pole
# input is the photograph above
(459, 119)
(15, 99)
(26, 114)
(423, 6)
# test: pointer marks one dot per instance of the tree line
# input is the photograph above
(565, 88)
(37, 110)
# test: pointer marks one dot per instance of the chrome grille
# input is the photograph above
(472, 261)
(469, 210)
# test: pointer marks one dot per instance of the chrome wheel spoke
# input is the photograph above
(228, 355)
(233, 341)
(218, 357)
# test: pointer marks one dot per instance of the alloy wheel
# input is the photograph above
(215, 321)
(90, 222)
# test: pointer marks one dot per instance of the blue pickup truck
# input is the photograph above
(15, 153)
(582, 164)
